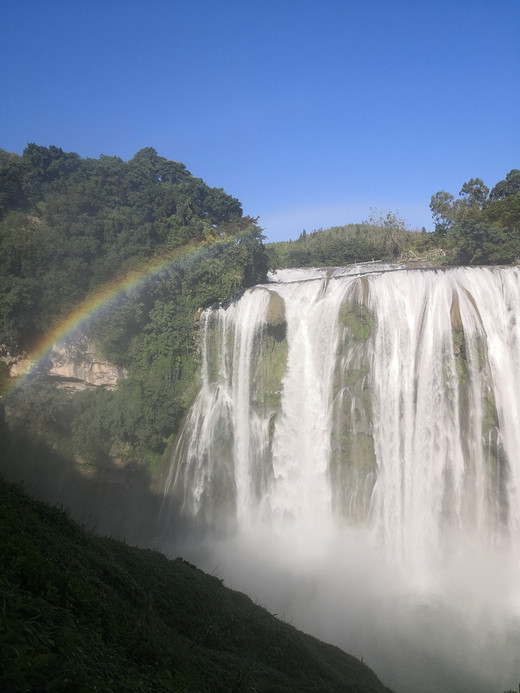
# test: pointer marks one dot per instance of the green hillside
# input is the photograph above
(70, 227)
(84, 613)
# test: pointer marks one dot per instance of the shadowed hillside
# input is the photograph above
(84, 613)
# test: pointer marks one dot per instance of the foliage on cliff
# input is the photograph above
(83, 613)
(68, 226)
(480, 226)
(384, 236)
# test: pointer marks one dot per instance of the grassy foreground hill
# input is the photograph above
(84, 613)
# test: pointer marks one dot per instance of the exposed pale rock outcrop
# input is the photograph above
(276, 310)
(75, 364)
(79, 365)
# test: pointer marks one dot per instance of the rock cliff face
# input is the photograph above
(78, 366)
(75, 364)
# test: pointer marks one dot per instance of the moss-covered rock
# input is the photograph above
(474, 375)
(356, 316)
(270, 361)
(353, 462)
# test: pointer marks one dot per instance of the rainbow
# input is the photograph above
(107, 296)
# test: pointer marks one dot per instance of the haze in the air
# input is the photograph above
(310, 113)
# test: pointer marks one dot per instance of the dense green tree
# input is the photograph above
(12, 171)
(47, 168)
(480, 227)
(443, 213)
(509, 186)
(474, 193)
(70, 225)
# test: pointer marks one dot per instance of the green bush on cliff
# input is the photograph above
(480, 227)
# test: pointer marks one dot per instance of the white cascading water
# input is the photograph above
(353, 452)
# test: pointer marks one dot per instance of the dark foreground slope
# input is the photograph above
(84, 613)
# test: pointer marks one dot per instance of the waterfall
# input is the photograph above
(416, 371)
(373, 400)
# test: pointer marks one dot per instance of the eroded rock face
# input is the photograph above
(75, 364)
(276, 310)
(16, 365)
(79, 366)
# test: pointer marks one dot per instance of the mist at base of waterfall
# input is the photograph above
(455, 629)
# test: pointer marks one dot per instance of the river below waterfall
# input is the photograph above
(352, 462)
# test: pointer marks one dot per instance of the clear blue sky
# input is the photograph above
(310, 112)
